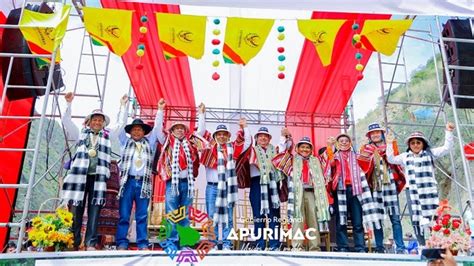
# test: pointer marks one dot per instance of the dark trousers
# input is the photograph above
(259, 219)
(93, 213)
(420, 237)
(354, 209)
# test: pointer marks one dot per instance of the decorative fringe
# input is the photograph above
(395, 148)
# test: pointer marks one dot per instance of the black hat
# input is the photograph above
(138, 122)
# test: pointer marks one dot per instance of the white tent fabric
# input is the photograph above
(402, 7)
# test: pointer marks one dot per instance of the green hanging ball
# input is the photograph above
(141, 46)
(358, 56)
(281, 29)
(281, 58)
(144, 19)
(216, 51)
(355, 26)
(217, 21)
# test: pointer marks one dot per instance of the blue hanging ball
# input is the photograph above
(141, 46)
(358, 56)
(281, 29)
(216, 51)
(355, 26)
(281, 58)
(217, 21)
(144, 19)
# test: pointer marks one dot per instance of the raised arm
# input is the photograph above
(285, 140)
(247, 136)
(119, 130)
(448, 142)
(158, 129)
(391, 158)
(72, 131)
(201, 120)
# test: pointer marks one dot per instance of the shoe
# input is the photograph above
(91, 249)
(380, 250)
(122, 248)
(401, 251)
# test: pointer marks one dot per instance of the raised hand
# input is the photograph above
(450, 126)
(161, 104)
(243, 123)
(331, 141)
(124, 100)
(69, 97)
(390, 138)
(202, 108)
(285, 132)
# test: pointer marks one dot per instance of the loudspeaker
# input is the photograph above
(25, 71)
(460, 54)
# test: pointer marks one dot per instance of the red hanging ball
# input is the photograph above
(216, 41)
(139, 67)
(358, 45)
(360, 77)
(281, 75)
(281, 49)
(216, 76)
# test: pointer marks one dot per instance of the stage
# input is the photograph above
(114, 258)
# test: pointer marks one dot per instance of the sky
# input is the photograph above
(245, 87)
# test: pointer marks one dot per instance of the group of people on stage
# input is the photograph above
(336, 182)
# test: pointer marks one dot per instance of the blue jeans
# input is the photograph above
(354, 209)
(397, 234)
(258, 219)
(211, 195)
(174, 202)
(131, 193)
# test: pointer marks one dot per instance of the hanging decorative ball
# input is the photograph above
(281, 49)
(144, 19)
(281, 75)
(356, 37)
(281, 36)
(216, 41)
(140, 52)
(217, 21)
(216, 76)
(281, 68)
(358, 56)
(360, 77)
(141, 46)
(216, 51)
(216, 32)
(281, 29)
(143, 29)
(215, 63)
(358, 45)
(355, 26)
(281, 58)
(359, 67)
(139, 67)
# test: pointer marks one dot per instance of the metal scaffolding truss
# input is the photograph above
(253, 116)
(437, 41)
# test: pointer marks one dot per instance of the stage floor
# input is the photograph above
(246, 258)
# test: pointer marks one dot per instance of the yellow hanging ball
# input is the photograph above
(215, 63)
(140, 52)
(216, 32)
(356, 37)
(281, 36)
(143, 29)
(359, 67)
(281, 68)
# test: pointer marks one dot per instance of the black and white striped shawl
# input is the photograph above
(385, 195)
(75, 182)
(175, 170)
(422, 186)
(370, 215)
(227, 190)
(126, 163)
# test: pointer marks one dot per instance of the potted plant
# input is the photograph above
(52, 231)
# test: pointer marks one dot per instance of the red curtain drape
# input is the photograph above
(326, 90)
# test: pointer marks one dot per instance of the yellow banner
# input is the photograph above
(383, 35)
(181, 35)
(109, 27)
(244, 38)
(322, 33)
(45, 32)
